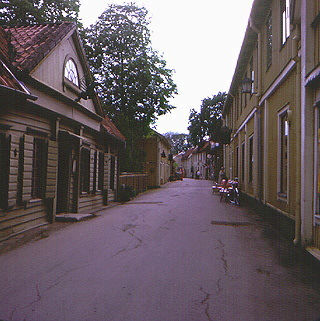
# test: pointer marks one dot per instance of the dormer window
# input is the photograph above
(71, 73)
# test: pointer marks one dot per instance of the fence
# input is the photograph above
(138, 182)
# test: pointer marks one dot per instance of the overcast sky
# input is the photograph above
(200, 40)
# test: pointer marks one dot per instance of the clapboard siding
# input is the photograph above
(52, 169)
(89, 203)
(23, 218)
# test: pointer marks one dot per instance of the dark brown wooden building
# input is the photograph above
(58, 150)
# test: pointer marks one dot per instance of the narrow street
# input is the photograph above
(172, 254)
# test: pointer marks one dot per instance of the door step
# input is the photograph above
(72, 217)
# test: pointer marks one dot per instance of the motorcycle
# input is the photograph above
(229, 191)
(234, 192)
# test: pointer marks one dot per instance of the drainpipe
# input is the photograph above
(295, 55)
(306, 139)
(232, 148)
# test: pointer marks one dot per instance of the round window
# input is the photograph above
(71, 73)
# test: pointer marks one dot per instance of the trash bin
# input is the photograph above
(125, 193)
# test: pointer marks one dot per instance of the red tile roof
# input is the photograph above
(31, 43)
(111, 129)
(4, 46)
(187, 153)
(7, 79)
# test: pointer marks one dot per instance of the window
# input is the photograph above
(252, 75)
(283, 153)
(100, 171)
(237, 105)
(251, 159)
(237, 162)
(38, 168)
(269, 40)
(285, 20)
(85, 170)
(95, 171)
(243, 161)
(71, 73)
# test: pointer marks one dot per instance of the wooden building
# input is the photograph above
(58, 150)
(275, 120)
(157, 164)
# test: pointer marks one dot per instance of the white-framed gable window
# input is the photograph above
(71, 72)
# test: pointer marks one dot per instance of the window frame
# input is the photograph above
(283, 154)
(285, 20)
(237, 162)
(85, 170)
(269, 40)
(251, 158)
(243, 161)
(70, 68)
(39, 168)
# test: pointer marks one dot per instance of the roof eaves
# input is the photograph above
(111, 129)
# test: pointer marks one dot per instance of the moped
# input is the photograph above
(234, 191)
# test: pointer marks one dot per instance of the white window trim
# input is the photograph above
(286, 22)
(280, 197)
(71, 65)
(251, 161)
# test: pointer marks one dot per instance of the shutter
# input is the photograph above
(27, 167)
(5, 169)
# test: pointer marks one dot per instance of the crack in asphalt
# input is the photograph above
(38, 292)
(219, 286)
(125, 229)
(206, 302)
(223, 257)
(136, 237)
(128, 227)
(234, 224)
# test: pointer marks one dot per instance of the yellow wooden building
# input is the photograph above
(273, 110)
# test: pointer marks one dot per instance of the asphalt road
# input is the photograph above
(172, 254)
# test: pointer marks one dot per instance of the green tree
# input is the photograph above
(15, 12)
(132, 79)
(178, 141)
(207, 124)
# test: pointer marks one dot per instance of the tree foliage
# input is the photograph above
(178, 141)
(15, 12)
(207, 123)
(132, 79)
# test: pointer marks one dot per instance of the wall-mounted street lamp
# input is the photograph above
(246, 84)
